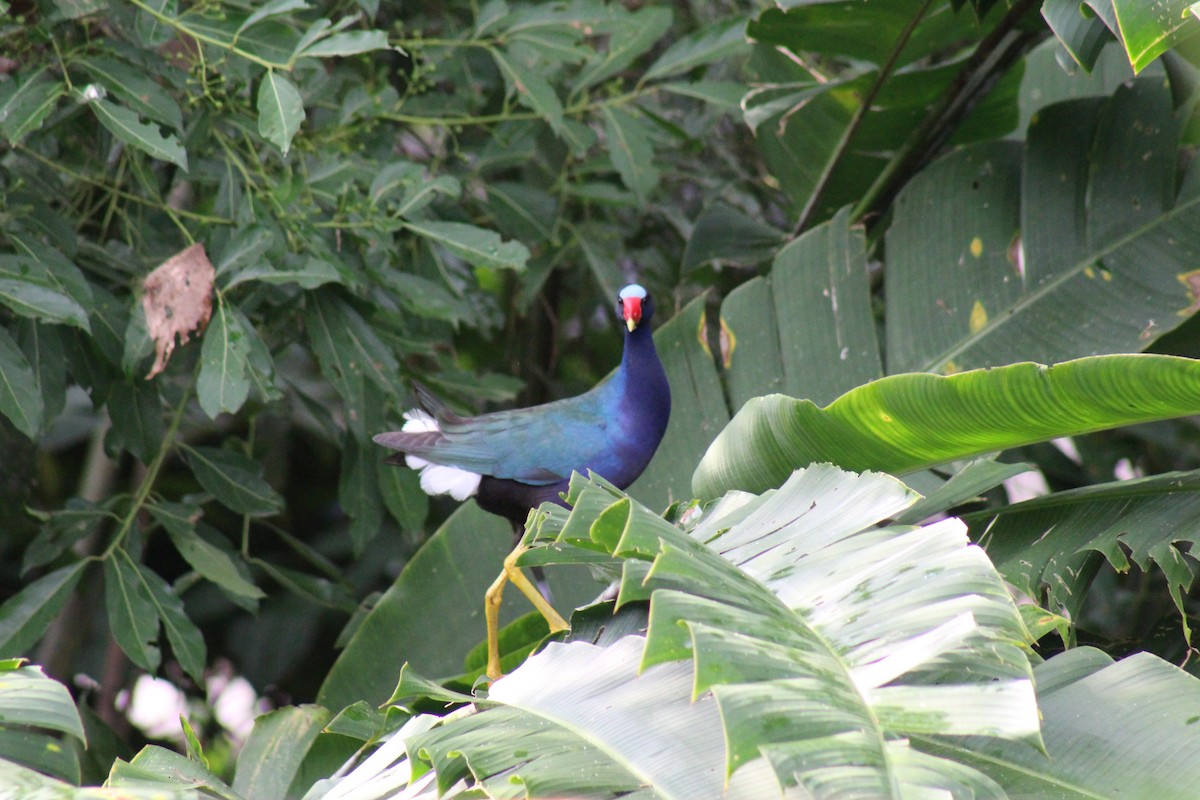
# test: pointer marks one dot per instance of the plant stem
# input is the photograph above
(860, 114)
(952, 107)
(148, 480)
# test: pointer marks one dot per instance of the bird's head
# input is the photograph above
(634, 306)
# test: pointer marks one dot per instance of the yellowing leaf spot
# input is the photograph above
(1107, 275)
(977, 247)
(949, 368)
(1192, 281)
(979, 317)
(1091, 273)
(885, 417)
(702, 333)
(728, 343)
(53, 748)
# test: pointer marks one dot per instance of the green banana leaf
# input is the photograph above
(904, 423)
(791, 641)
(1111, 730)
(1143, 521)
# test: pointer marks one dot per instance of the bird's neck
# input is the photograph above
(645, 381)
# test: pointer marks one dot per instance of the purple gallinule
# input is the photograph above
(512, 461)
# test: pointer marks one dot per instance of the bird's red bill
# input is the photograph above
(632, 311)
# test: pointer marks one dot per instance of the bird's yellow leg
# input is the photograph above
(491, 613)
(492, 607)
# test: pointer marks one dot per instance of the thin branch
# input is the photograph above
(843, 146)
(949, 110)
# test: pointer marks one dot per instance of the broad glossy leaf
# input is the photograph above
(277, 745)
(26, 616)
(906, 422)
(1076, 245)
(125, 124)
(234, 480)
(280, 110)
(723, 233)
(1084, 35)
(445, 580)
(845, 29)
(806, 329)
(41, 751)
(824, 640)
(1043, 545)
(478, 246)
(166, 769)
(223, 384)
(132, 615)
(28, 697)
(1150, 29)
(1080, 693)
(20, 399)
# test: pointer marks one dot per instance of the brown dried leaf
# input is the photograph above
(177, 300)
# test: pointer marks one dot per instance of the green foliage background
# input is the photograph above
(817, 194)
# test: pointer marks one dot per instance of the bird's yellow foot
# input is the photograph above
(492, 600)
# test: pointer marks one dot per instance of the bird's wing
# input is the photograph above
(538, 445)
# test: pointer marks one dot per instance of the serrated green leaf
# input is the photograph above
(720, 40)
(531, 88)
(132, 615)
(124, 124)
(630, 151)
(20, 399)
(478, 246)
(273, 8)
(30, 299)
(206, 558)
(222, 385)
(26, 616)
(348, 43)
(25, 104)
(629, 36)
(234, 480)
(137, 419)
(312, 272)
(187, 643)
(138, 92)
(358, 493)
(419, 196)
(280, 110)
